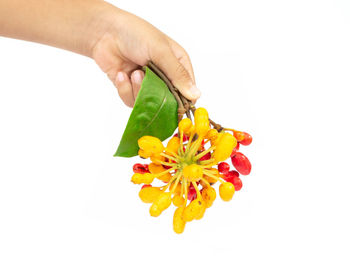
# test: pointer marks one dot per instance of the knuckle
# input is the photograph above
(183, 75)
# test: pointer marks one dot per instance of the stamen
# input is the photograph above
(169, 157)
(163, 173)
(185, 186)
(228, 129)
(176, 182)
(168, 184)
(181, 142)
(205, 142)
(195, 146)
(212, 176)
(200, 155)
(206, 162)
(189, 143)
(205, 181)
(168, 164)
(197, 190)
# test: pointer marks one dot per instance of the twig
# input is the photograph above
(185, 106)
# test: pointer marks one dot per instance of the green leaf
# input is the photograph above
(154, 113)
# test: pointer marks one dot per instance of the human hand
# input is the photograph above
(127, 42)
(118, 41)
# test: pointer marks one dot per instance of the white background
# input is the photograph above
(277, 69)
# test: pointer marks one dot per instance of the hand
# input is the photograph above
(118, 41)
(127, 43)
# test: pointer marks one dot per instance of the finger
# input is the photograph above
(165, 59)
(123, 84)
(182, 56)
(136, 81)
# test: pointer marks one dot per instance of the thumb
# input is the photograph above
(177, 73)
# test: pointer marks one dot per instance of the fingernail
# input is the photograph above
(138, 77)
(120, 76)
(196, 93)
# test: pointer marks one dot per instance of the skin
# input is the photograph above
(119, 42)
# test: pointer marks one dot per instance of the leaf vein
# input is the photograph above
(155, 115)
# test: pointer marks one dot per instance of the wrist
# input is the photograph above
(102, 22)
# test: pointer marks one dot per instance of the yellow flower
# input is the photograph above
(188, 168)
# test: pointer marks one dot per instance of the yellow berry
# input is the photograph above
(157, 169)
(185, 125)
(201, 120)
(201, 211)
(166, 177)
(192, 131)
(214, 140)
(226, 191)
(178, 200)
(212, 134)
(211, 179)
(187, 214)
(173, 145)
(146, 178)
(144, 154)
(161, 203)
(224, 147)
(178, 188)
(149, 194)
(192, 172)
(136, 178)
(209, 196)
(150, 144)
(164, 200)
(157, 158)
(154, 210)
(178, 221)
(193, 210)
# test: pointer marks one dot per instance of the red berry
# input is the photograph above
(233, 173)
(146, 186)
(236, 149)
(229, 178)
(206, 157)
(230, 175)
(166, 167)
(168, 161)
(184, 138)
(241, 163)
(192, 194)
(237, 182)
(238, 135)
(145, 166)
(247, 139)
(140, 168)
(223, 167)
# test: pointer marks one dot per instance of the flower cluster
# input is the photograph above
(189, 166)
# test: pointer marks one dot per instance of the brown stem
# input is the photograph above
(159, 73)
(184, 105)
(187, 105)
